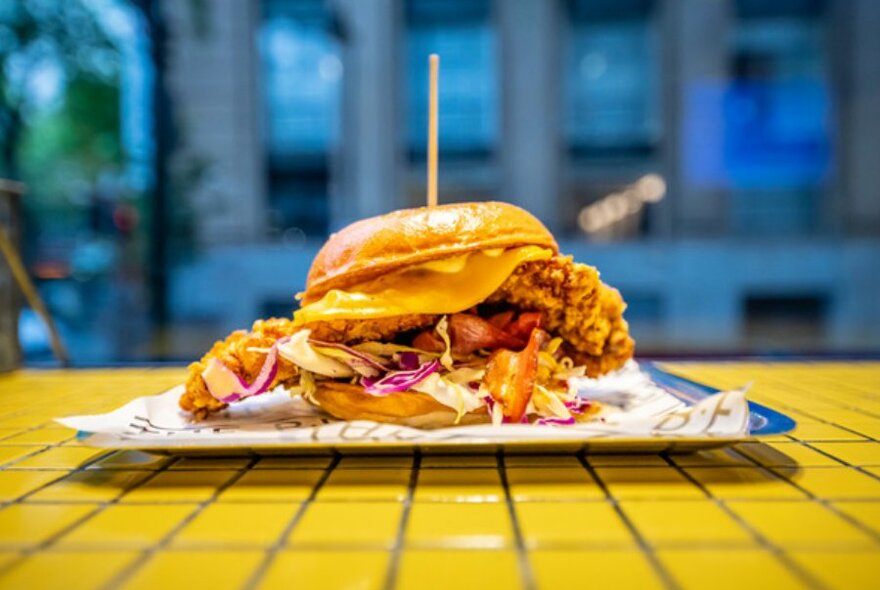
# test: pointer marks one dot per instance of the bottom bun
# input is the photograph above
(408, 408)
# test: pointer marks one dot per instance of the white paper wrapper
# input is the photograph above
(633, 407)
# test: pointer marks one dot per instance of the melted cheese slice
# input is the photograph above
(442, 286)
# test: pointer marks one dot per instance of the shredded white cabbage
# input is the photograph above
(452, 395)
(298, 351)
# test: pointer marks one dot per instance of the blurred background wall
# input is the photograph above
(718, 160)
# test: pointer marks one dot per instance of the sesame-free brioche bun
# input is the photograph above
(373, 247)
(407, 408)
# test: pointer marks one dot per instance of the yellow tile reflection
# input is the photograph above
(728, 570)
(363, 570)
(348, 524)
(572, 523)
(478, 526)
(26, 525)
(236, 525)
(459, 485)
(217, 570)
(842, 570)
(647, 483)
(685, 523)
(800, 524)
(617, 569)
(127, 527)
(460, 570)
(68, 570)
(545, 484)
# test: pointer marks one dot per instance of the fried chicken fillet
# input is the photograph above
(570, 297)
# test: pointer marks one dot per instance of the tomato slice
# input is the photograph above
(510, 376)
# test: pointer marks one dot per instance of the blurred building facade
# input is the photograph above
(716, 159)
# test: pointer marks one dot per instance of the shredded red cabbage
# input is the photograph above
(261, 384)
(577, 406)
(408, 360)
(397, 381)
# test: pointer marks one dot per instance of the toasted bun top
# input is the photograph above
(373, 247)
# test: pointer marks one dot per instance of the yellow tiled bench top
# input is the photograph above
(794, 511)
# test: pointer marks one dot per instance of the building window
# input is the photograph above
(302, 75)
(462, 34)
(777, 143)
(612, 94)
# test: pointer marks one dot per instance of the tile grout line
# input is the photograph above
(525, 568)
(816, 499)
(858, 468)
(646, 549)
(763, 541)
(270, 553)
(98, 508)
(145, 554)
(397, 549)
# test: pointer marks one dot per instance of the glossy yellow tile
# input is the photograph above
(366, 485)
(818, 431)
(837, 483)
(800, 525)
(378, 462)
(273, 485)
(712, 458)
(462, 570)
(131, 460)
(181, 486)
(190, 463)
(552, 483)
(41, 436)
(9, 454)
(476, 526)
(550, 524)
(854, 453)
(348, 524)
(617, 569)
(361, 570)
(866, 513)
(685, 523)
(14, 484)
(293, 463)
(634, 460)
(729, 569)
(236, 525)
(786, 455)
(90, 486)
(127, 527)
(546, 461)
(459, 485)
(67, 570)
(60, 458)
(743, 482)
(842, 570)
(217, 570)
(647, 483)
(26, 525)
(464, 461)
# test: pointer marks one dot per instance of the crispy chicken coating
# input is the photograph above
(574, 304)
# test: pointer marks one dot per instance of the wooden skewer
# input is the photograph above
(434, 62)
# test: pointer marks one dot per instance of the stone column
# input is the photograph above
(859, 98)
(213, 79)
(367, 168)
(695, 59)
(531, 68)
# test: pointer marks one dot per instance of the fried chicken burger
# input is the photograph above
(456, 314)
